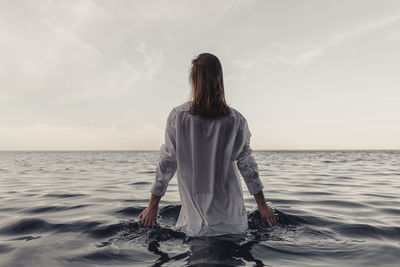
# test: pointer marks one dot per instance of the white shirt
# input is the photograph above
(203, 151)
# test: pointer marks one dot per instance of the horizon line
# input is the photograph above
(155, 150)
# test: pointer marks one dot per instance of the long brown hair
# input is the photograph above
(206, 80)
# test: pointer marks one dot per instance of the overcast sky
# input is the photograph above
(105, 74)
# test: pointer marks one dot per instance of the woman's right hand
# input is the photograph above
(267, 215)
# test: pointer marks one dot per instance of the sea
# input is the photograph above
(80, 208)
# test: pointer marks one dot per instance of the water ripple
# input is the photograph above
(334, 208)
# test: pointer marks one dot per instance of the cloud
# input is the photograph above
(305, 56)
(336, 40)
(342, 37)
(123, 63)
(45, 136)
(346, 133)
(395, 35)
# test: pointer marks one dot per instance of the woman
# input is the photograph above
(203, 140)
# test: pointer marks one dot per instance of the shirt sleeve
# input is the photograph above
(167, 165)
(245, 161)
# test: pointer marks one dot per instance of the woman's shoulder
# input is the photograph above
(182, 107)
(236, 113)
(185, 106)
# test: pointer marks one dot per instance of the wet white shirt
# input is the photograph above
(207, 155)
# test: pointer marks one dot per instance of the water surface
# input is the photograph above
(334, 208)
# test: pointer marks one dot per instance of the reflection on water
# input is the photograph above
(225, 249)
(334, 208)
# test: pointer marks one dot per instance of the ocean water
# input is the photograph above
(334, 208)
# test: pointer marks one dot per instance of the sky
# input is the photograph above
(103, 75)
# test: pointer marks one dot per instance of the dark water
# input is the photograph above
(334, 208)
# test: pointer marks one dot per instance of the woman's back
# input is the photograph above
(203, 151)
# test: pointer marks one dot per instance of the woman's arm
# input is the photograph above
(149, 215)
(165, 170)
(267, 214)
(248, 167)
(154, 200)
(167, 164)
(245, 160)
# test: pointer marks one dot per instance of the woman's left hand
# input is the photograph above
(148, 216)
